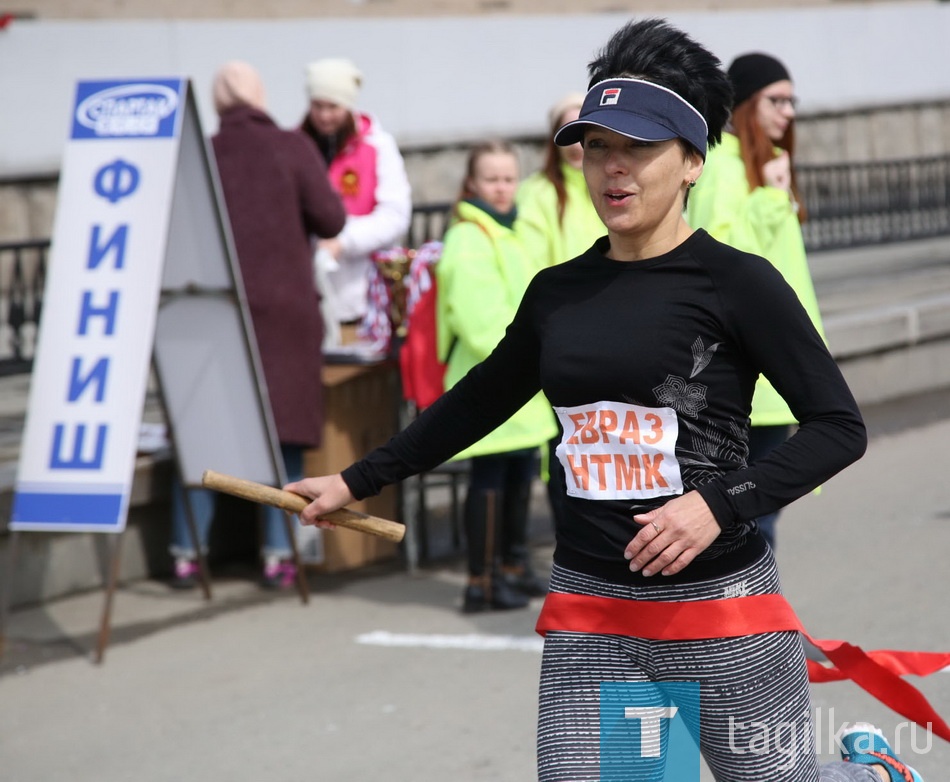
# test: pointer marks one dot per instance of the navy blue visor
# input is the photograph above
(637, 109)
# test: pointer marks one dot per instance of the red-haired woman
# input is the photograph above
(747, 197)
(556, 218)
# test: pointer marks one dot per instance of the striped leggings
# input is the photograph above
(754, 722)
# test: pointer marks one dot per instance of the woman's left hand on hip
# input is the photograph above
(672, 536)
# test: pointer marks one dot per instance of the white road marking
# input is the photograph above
(473, 641)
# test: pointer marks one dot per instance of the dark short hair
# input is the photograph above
(655, 51)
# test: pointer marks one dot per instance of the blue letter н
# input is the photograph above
(88, 311)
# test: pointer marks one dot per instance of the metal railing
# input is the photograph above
(429, 222)
(22, 277)
(855, 204)
(849, 205)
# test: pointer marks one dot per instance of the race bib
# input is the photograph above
(617, 451)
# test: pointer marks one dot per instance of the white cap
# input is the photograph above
(336, 80)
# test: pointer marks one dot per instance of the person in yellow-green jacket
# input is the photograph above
(481, 277)
(556, 218)
(747, 197)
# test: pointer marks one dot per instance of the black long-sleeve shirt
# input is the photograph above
(650, 366)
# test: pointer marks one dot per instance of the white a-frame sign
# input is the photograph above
(137, 225)
(94, 346)
(141, 265)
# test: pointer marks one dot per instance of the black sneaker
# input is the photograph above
(503, 598)
(527, 582)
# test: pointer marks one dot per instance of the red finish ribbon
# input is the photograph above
(877, 672)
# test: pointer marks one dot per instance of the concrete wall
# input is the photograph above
(435, 171)
(376, 9)
(881, 132)
(443, 80)
(872, 78)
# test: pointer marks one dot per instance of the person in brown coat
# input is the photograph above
(278, 198)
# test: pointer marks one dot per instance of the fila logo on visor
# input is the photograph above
(610, 96)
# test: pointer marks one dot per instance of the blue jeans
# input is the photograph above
(276, 542)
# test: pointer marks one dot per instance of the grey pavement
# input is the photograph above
(380, 676)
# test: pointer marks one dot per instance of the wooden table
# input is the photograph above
(362, 404)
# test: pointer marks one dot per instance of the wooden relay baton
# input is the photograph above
(286, 500)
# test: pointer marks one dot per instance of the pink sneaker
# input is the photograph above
(186, 574)
(280, 574)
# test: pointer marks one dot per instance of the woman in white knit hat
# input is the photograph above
(367, 170)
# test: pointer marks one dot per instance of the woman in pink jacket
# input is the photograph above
(367, 170)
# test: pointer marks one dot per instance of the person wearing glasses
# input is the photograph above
(748, 198)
